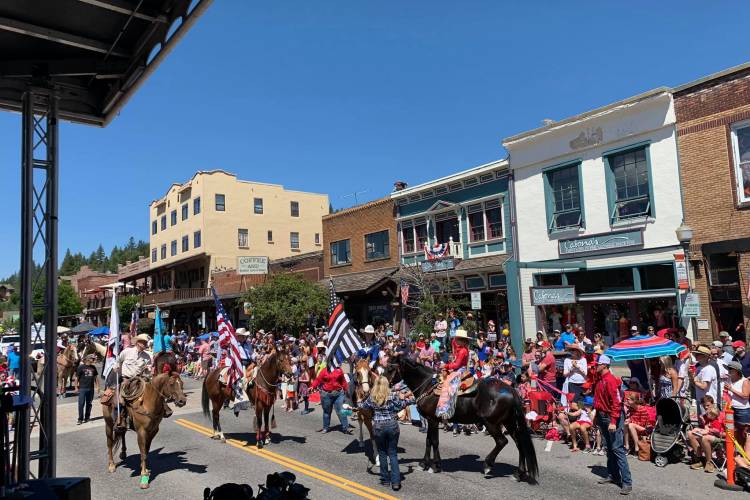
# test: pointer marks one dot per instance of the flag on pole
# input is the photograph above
(158, 332)
(404, 291)
(113, 345)
(343, 341)
(228, 341)
(134, 317)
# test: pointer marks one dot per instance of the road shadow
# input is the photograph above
(469, 463)
(160, 463)
(353, 447)
(276, 438)
(599, 470)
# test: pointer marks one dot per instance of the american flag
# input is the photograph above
(228, 341)
(404, 291)
(343, 341)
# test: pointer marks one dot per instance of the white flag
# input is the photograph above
(113, 345)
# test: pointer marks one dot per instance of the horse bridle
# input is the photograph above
(421, 394)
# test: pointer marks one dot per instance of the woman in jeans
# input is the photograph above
(333, 388)
(385, 406)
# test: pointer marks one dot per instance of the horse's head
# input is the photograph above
(172, 390)
(393, 372)
(283, 362)
(362, 374)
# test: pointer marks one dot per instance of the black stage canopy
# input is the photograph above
(96, 53)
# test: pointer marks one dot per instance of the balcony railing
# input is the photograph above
(176, 294)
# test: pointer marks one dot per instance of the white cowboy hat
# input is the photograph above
(241, 331)
(142, 338)
(369, 329)
(462, 334)
(320, 345)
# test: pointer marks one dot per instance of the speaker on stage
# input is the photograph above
(64, 488)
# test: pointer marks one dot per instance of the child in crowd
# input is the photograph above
(582, 424)
(710, 431)
(303, 389)
(640, 419)
(524, 386)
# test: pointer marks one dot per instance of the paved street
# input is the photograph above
(184, 461)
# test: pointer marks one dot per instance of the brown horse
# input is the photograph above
(67, 362)
(365, 379)
(262, 395)
(146, 416)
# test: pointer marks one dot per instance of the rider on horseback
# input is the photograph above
(132, 362)
(453, 373)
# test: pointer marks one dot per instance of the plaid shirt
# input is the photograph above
(389, 410)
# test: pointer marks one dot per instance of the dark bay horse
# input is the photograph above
(146, 416)
(365, 379)
(262, 395)
(494, 405)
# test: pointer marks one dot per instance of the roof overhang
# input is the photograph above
(94, 54)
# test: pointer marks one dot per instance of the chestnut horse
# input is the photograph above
(164, 388)
(262, 395)
(365, 379)
(67, 362)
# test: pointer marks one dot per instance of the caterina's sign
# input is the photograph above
(552, 295)
(601, 242)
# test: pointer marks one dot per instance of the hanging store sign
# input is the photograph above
(476, 301)
(691, 307)
(601, 242)
(680, 265)
(252, 265)
(430, 266)
(552, 295)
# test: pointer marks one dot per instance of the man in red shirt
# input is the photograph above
(548, 369)
(610, 419)
(333, 387)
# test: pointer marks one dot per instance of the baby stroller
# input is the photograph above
(669, 437)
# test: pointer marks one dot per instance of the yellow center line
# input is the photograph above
(327, 477)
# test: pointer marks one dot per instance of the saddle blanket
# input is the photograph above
(241, 401)
(447, 403)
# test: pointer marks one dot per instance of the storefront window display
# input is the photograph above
(659, 313)
(556, 317)
(611, 320)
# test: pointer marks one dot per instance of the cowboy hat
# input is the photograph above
(462, 334)
(320, 345)
(142, 338)
(241, 331)
(369, 329)
(701, 349)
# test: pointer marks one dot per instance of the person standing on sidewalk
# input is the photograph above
(610, 419)
(87, 380)
(385, 406)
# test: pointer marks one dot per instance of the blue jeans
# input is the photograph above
(386, 437)
(329, 401)
(85, 399)
(617, 460)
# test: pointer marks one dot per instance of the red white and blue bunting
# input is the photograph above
(436, 251)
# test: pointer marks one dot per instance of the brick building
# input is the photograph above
(713, 125)
(361, 255)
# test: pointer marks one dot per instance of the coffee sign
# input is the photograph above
(600, 242)
(552, 295)
(252, 265)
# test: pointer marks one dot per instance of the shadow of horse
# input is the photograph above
(353, 448)
(162, 463)
(470, 463)
(249, 438)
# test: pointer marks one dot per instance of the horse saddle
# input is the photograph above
(132, 388)
(467, 386)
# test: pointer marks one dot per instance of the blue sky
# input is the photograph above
(343, 96)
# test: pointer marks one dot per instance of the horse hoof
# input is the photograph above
(111, 468)
(223, 439)
(268, 441)
(259, 445)
(215, 436)
(144, 486)
(487, 471)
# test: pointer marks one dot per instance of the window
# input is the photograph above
(741, 147)
(173, 248)
(414, 235)
(163, 222)
(164, 251)
(377, 245)
(220, 205)
(722, 269)
(619, 279)
(185, 211)
(294, 240)
(656, 276)
(242, 238)
(154, 227)
(407, 239)
(197, 206)
(270, 236)
(485, 221)
(197, 239)
(173, 217)
(295, 208)
(629, 185)
(446, 227)
(258, 206)
(340, 253)
(317, 238)
(185, 243)
(153, 255)
(563, 193)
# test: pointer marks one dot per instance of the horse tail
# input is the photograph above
(523, 440)
(204, 399)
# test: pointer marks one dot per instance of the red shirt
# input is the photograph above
(607, 397)
(641, 416)
(330, 381)
(549, 374)
(461, 354)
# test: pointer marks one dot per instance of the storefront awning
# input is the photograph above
(491, 261)
(361, 282)
(628, 296)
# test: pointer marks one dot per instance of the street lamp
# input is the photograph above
(684, 235)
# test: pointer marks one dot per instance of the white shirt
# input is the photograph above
(707, 374)
(682, 373)
(577, 376)
(132, 363)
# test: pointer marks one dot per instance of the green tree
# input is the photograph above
(285, 302)
(68, 302)
(430, 294)
(125, 306)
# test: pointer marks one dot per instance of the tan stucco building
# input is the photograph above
(216, 215)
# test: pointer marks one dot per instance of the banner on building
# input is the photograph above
(680, 265)
(252, 265)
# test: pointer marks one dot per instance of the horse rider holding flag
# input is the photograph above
(131, 363)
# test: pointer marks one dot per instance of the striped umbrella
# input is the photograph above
(643, 347)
